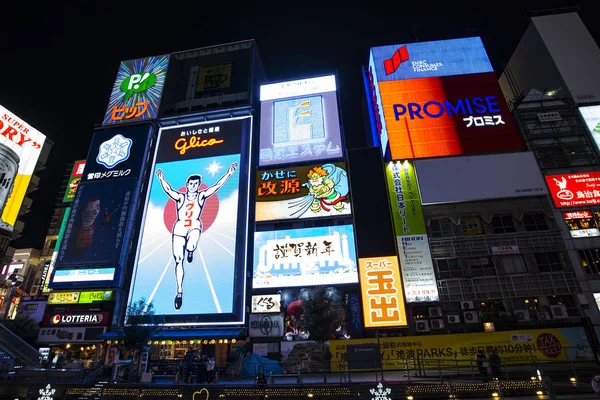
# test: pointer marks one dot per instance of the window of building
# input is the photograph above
(441, 228)
(503, 224)
(514, 264)
(448, 268)
(471, 226)
(548, 262)
(535, 222)
(590, 261)
(482, 266)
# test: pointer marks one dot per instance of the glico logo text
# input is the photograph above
(436, 109)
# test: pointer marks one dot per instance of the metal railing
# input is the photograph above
(18, 348)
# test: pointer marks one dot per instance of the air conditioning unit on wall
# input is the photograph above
(471, 317)
(437, 323)
(435, 312)
(522, 315)
(454, 319)
(422, 325)
(559, 311)
(467, 305)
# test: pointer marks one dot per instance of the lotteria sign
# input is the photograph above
(97, 318)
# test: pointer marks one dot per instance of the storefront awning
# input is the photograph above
(226, 333)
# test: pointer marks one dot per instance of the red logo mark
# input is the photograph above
(392, 64)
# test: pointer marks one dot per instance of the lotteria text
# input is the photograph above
(77, 319)
(435, 109)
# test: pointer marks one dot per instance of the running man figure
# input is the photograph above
(188, 227)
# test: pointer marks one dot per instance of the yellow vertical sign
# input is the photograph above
(381, 287)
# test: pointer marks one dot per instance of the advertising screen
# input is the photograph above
(117, 154)
(413, 244)
(514, 347)
(80, 297)
(471, 178)
(574, 190)
(97, 223)
(299, 121)
(319, 190)
(210, 77)
(305, 257)
(582, 224)
(195, 224)
(74, 181)
(20, 148)
(76, 319)
(448, 115)
(381, 286)
(137, 90)
(430, 59)
(82, 277)
(591, 117)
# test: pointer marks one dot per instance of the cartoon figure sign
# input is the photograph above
(303, 192)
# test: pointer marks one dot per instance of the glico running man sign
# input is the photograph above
(191, 259)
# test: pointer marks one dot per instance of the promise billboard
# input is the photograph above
(20, 148)
(437, 99)
(195, 224)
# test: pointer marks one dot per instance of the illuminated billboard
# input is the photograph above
(381, 286)
(20, 148)
(97, 224)
(195, 224)
(305, 257)
(137, 90)
(430, 59)
(449, 115)
(46, 275)
(299, 121)
(74, 181)
(311, 191)
(117, 154)
(574, 190)
(418, 274)
(67, 278)
(591, 117)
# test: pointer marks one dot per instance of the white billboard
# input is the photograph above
(493, 176)
(20, 148)
(591, 117)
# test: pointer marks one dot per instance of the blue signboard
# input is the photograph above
(117, 154)
(305, 257)
(67, 278)
(97, 224)
(430, 59)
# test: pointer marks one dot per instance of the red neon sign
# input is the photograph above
(575, 190)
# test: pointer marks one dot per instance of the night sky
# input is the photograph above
(59, 62)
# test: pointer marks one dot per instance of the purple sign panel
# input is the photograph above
(299, 121)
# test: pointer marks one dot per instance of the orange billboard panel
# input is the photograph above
(381, 287)
(448, 115)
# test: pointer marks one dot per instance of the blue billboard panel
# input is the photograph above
(117, 153)
(305, 257)
(430, 59)
(192, 252)
(97, 224)
(67, 278)
(299, 121)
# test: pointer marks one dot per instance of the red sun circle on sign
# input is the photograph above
(549, 345)
(56, 319)
(209, 213)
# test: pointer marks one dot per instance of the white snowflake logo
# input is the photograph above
(381, 393)
(114, 151)
(47, 393)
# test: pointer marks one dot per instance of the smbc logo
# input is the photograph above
(136, 83)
